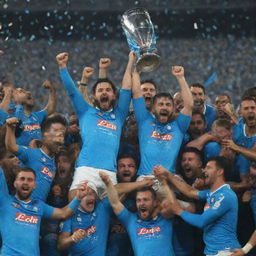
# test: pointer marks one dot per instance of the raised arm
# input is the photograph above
(83, 88)
(104, 64)
(68, 210)
(10, 140)
(186, 95)
(128, 187)
(78, 102)
(127, 78)
(112, 194)
(52, 100)
(179, 183)
(136, 89)
(4, 105)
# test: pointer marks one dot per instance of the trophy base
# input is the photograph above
(148, 62)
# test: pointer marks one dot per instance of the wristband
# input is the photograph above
(83, 84)
(73, 205)
(247, 248)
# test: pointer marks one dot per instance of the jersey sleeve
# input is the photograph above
(183, 122)
(125, 216)
(3, 186)
(78, 102)
(202, 194)
(23, 153)
(41, 115)
(124, 102)
(140, 110)
(221, 206)
(47, 210)
(242, 165)
(66, 226)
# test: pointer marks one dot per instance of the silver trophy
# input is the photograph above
(141, 38)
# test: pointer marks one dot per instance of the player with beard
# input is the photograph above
(21, 216)
(100, 126)
(199, 97)
(159, 137)
(118, 241)
(244, 139)
(31, 121)
(41, 160)
(85, 233)
(219, 219)
(150, 233)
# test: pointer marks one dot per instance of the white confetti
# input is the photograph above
(195, 25)
(43, 68)
(46, 28)
(10, 24)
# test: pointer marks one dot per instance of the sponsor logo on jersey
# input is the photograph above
(106, 124)
(45, 170)
(164, 137)
(31, 127)
(145, 231)
(90, 230)
(22, 217)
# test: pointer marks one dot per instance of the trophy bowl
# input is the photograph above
(148, 62)
(141, 38)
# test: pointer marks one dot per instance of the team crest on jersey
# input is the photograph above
(106, 124)
(218, 203)
(145, 231)
(45, 170)
(15, 205)
(31, 127)
(43, 159)
(168, 127)
(22, 217)
(164, 137)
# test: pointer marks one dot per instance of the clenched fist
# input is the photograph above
(62, 59)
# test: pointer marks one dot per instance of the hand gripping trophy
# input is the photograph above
(141, 38)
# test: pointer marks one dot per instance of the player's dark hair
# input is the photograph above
(104, 80)
(222, 163)
(53, 119)
(150, 81)
(144, 189)
(126, 155)
(198, 85)
(162, 95)
(197, 112)
(248, 98)
(193, 150)
(24, 169)
(226, 95)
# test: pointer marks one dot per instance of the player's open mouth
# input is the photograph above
(126, 174)
(104, 99)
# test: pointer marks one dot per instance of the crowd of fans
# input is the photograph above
(231, 58)
(195, 133)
